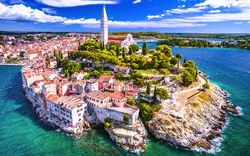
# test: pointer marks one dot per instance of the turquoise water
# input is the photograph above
(22, 133)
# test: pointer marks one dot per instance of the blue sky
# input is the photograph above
(173, 16)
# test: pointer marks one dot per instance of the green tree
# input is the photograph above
(54, 53)
(144, 49)
(118, 75)
(173, 61)
(165, 49)
(155, 95)
(164, 71)
(168, 51)
(79, 45)
(126, 118)
(21, 53)
(206, 86)
(117, 51)
(134, 47)
(123, 53)
(59, 58)
(130, 52)
(179, 57)
(187, 78)
(131, 101)
(66, 73)
(91, 45)
(108, 122)
(162, 93)
(148, 88)
(146, 112)
(70, 66)
(47, 60)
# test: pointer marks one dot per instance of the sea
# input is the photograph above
(23, 133)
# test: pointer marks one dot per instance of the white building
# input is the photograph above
(92, 85)
(107, 105)
(70, 109)
(124, 70)
(78, 76)
(104, 27)
(31, 55)
(123, 41)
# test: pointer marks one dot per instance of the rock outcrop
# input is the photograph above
(194, 126)
(130, 137)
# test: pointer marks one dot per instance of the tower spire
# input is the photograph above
(104, 26)
(104, 13)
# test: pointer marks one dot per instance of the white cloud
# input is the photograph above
(48, 10)
(238, 23)
(20, 12)
(221, 17)
(137, 1)
(72, 3)
(214, 11)
(184, 11)
(183, 6)
(93, 23)
(248, 22)
(225, 3)
(155, 16)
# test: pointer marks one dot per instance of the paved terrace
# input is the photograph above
(126, 109)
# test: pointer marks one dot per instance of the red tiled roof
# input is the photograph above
(52, 97)
(122, 67)
(99, 95)
(31, 52)
(114, 37)
(115, 41)
(117, 95)
(105, 79)
(61, 83)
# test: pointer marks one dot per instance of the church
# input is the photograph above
(123, 41)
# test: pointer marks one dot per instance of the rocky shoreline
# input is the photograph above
(79, 130)
(129, 137)
(200, 128)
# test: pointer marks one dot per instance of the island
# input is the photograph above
(128, 90)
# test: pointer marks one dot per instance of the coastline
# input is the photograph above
(140, 147)
(12, 64)
(134, 141)
(199, 139)
(47, 118)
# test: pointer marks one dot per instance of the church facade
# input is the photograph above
(123, 41)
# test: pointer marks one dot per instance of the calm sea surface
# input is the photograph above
(22, 133)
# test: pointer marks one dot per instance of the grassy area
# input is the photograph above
(148, 71)
(204, 97)
(195, 104)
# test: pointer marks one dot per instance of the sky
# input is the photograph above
(169, 16)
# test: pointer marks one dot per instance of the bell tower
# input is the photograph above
(104, 27)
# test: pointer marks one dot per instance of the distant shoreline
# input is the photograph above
(10, 64)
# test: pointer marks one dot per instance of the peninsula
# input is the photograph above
(108, 80)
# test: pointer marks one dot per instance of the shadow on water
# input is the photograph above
(14, 92)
